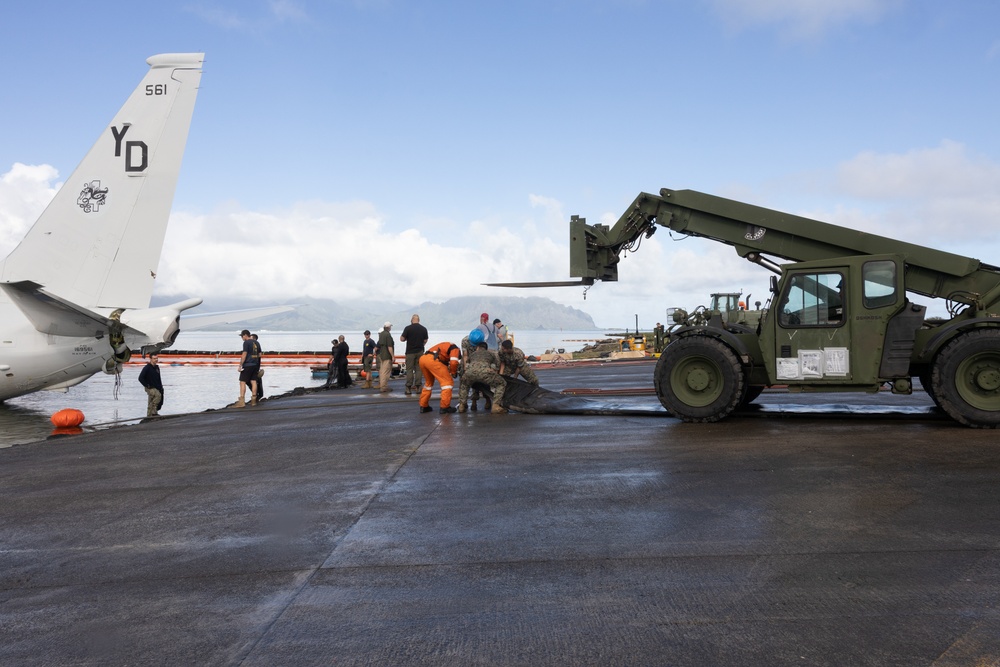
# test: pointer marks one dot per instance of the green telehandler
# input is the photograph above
(838, 318)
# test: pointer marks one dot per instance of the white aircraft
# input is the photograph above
(74, 294)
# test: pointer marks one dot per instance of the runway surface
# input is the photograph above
(343, 527)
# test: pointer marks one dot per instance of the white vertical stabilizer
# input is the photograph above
(98, 242)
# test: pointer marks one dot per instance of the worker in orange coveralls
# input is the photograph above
(440, 362)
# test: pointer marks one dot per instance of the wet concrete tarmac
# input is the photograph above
(345, 528)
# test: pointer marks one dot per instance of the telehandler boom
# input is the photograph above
(839, 317)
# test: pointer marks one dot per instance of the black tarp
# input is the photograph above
(524, 397)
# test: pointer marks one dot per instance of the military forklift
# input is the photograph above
(838, 318)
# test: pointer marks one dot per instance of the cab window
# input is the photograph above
(813, 299)
(880, 283)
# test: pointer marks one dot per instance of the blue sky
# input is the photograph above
(411, 150)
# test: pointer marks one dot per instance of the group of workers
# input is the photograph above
(482, 360)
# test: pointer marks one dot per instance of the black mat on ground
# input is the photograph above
(524, 397)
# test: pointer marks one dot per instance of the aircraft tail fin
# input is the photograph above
(98, 242)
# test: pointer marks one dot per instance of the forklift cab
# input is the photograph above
(831, 320)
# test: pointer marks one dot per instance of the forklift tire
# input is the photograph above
(965, 379)
(925, 382)
(699, 379)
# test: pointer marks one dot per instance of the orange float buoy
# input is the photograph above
(67, 418)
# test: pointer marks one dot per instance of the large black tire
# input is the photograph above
(699, 379)
(965, 380)
(925, 382)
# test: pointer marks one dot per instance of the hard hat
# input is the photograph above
(476, 336)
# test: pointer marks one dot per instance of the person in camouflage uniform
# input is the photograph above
(512, 362)
(481, 366)
(468, 347)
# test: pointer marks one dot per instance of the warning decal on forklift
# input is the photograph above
(814, 364)
(837, 361)
(811, 363)
(788, 368)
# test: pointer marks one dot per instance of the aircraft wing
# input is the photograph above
(52, 315)
(583, 282)
(202, 320)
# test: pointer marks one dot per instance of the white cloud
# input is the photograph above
(553, 208)
(25, 191)
(800, 18)
(343, 251)
(945, 171)
(941, 197)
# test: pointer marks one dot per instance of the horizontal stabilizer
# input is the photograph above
(202, 320)
(583, 282)
(54, 316)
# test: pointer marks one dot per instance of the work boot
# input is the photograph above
(253, 401)
(475, 406)
(408, 392)
(489, 403)
(447, 410)
(427, 409)
(498, 409)
(368, 385)
(238, 404)
(463, 408)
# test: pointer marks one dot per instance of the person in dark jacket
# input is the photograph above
(415, 336)
(331, 374)
(368, 358)
(343, 376)
(149, 378)
(249, 365)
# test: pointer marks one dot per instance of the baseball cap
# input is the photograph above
(387, 325)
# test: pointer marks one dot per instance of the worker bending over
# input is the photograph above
(512, 362)
(440, 363)
(481, 368)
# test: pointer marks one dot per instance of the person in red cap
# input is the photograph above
(489, 333)
(439, 363)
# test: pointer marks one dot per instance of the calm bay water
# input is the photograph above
(197, 388)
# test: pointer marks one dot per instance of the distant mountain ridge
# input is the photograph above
(458, 313)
